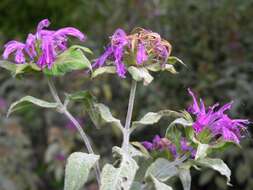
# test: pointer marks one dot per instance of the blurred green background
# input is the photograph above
(214, 38)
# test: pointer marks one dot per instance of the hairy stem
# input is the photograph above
(63, 109)
(126, 131)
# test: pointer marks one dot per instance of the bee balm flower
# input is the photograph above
(135, 49)
(42, 47)
(214, 119)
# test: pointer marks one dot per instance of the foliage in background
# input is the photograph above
(214, 38)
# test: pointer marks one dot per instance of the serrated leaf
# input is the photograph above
(140, 74)
(201, 151)
(106, 115)
(159, 185)
(70, 60)
(185, 177)
(29, 100)
(117, 178)
(216, 164)
(77, 169)
(153, 117)
(103, 70)
(162, 169)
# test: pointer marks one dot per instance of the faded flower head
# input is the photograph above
(164, 144)
(139, 48)
(216, 121)
(43, 46)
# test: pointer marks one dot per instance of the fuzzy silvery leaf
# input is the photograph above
(172, 60)
(121, 177)
(136, 186)
(140, 74)
(157, 67)
(70, 60)
(153, 117)
(28, 101)
(103, 70)
(141, 148)
(201, 151)
(185, 177)
(135, 152)
(77, 169)
(106, 115)
(162, 169)
(159, 185)
(216, 164)
(17, 69)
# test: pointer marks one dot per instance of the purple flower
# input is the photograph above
(160, 144)
(115, 50)
(214, 119)
(15, 46)
(185, 147)
(141, 54)
(44, 46)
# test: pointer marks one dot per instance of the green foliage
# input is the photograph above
(121, 177)
(28, 101)
(77, 169)
(70, 60)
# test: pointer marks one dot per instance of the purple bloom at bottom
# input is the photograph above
(219, 123)
(160, 144)
(185, 147)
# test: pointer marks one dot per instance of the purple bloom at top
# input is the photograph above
(116, 51)
(134, 49)
(214, 119)
(43, 46)
(141, 54)
(18, 48)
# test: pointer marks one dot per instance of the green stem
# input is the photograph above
(63, 110)
(126, 131)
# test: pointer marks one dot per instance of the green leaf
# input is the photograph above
(77, 169)
(133, 152)
(153, 117)
(28, 101)
(17, 69)
(172, 60)
(106, 115)
(136, 186)
(216, 164)
(116, 178)
(162, 169)
(89, 104)
(159, 185)
(185, 177)
(103, 70)
(201, 151)
(70, 60)
(140, 74)
(142, 149)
